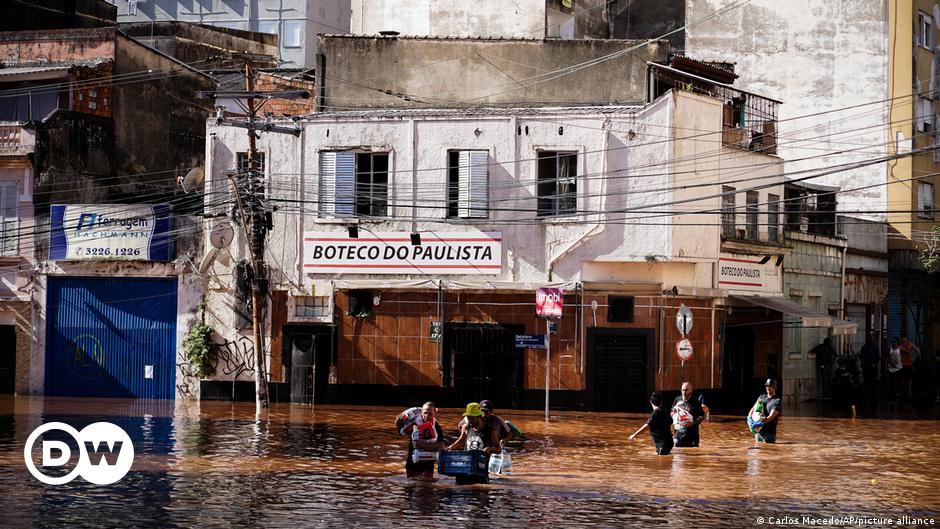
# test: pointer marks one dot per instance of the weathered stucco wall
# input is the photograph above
(454, 18)
(191, 43)
(816, 57)
(421, 73)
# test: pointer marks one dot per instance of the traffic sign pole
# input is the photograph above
(548, 361)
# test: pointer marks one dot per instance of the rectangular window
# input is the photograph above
(925, 30)
(557, 183)
(241, 161)
(924, 118)
(753, 230)
(727, 212)
(8, 218)
(354, 183)
(468, 184)
(292, 36)
(267, 26)
(773, 218)
(312, 306)
(925, 202)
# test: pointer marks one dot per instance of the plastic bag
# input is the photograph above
(406, 421)
(681, 418)
(501, 463)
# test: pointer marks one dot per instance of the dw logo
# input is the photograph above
(105, 453)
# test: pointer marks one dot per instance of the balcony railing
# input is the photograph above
(15, 139)
(749, 121)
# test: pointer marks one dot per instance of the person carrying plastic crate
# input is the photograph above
(477, 435)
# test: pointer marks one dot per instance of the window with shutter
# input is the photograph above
(8, 218)
(353, 183)
(468, 184)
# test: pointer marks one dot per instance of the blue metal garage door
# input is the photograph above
(111, 337)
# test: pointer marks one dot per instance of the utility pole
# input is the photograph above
(256, 213)
(250, 193)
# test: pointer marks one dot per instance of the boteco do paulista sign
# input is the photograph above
(459, 253)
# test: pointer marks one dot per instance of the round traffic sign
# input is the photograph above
(684, 349)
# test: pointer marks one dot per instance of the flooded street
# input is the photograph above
(214, 465)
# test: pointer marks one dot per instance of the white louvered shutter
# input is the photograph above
(8, 218)
(474, 191)
(337, 183)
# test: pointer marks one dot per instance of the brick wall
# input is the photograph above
(286, 107)
(93, 97)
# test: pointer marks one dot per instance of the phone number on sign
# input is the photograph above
(109, 252)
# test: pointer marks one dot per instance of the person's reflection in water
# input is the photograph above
(424, 498)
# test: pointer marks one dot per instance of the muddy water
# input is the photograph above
(216, 465)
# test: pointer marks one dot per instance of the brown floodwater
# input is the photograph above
(214, 464)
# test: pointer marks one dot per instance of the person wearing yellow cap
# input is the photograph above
(477, 435)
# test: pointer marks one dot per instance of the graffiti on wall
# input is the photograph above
(236, 358)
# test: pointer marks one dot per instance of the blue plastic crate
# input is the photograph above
(463, 463)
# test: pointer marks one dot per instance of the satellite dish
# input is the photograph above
(193, 180)
(222, 235)
(207, 260)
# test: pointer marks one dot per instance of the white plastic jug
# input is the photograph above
(501, 463)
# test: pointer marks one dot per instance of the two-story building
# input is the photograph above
(409, 244)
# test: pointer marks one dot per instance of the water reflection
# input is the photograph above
(218, 465)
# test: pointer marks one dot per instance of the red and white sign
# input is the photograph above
(458, 253)
(684, 349)
(752, 273)
(549, 302)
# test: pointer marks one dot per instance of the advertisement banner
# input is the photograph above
(549, 302)
(459, 253)
(125, 232)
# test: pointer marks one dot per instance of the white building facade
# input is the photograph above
(618, 206)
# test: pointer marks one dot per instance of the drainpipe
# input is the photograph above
(414, 176)
(842, 291)
(597, 225)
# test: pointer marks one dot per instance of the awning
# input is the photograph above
(34, 73)
(808, 316)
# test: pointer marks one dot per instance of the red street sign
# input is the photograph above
(549, 302)
(684, 349)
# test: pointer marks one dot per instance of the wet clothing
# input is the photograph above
(498, 424)
(768, 433)
(688, 437)
(480, 439)
(659, 426)
(427, 433)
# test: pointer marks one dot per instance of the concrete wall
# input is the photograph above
(452, 18)
(159, 121)
(192, 43)
(420, 73)
(815, 57)
(314, 16)
(703, 159)
(812, 277)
